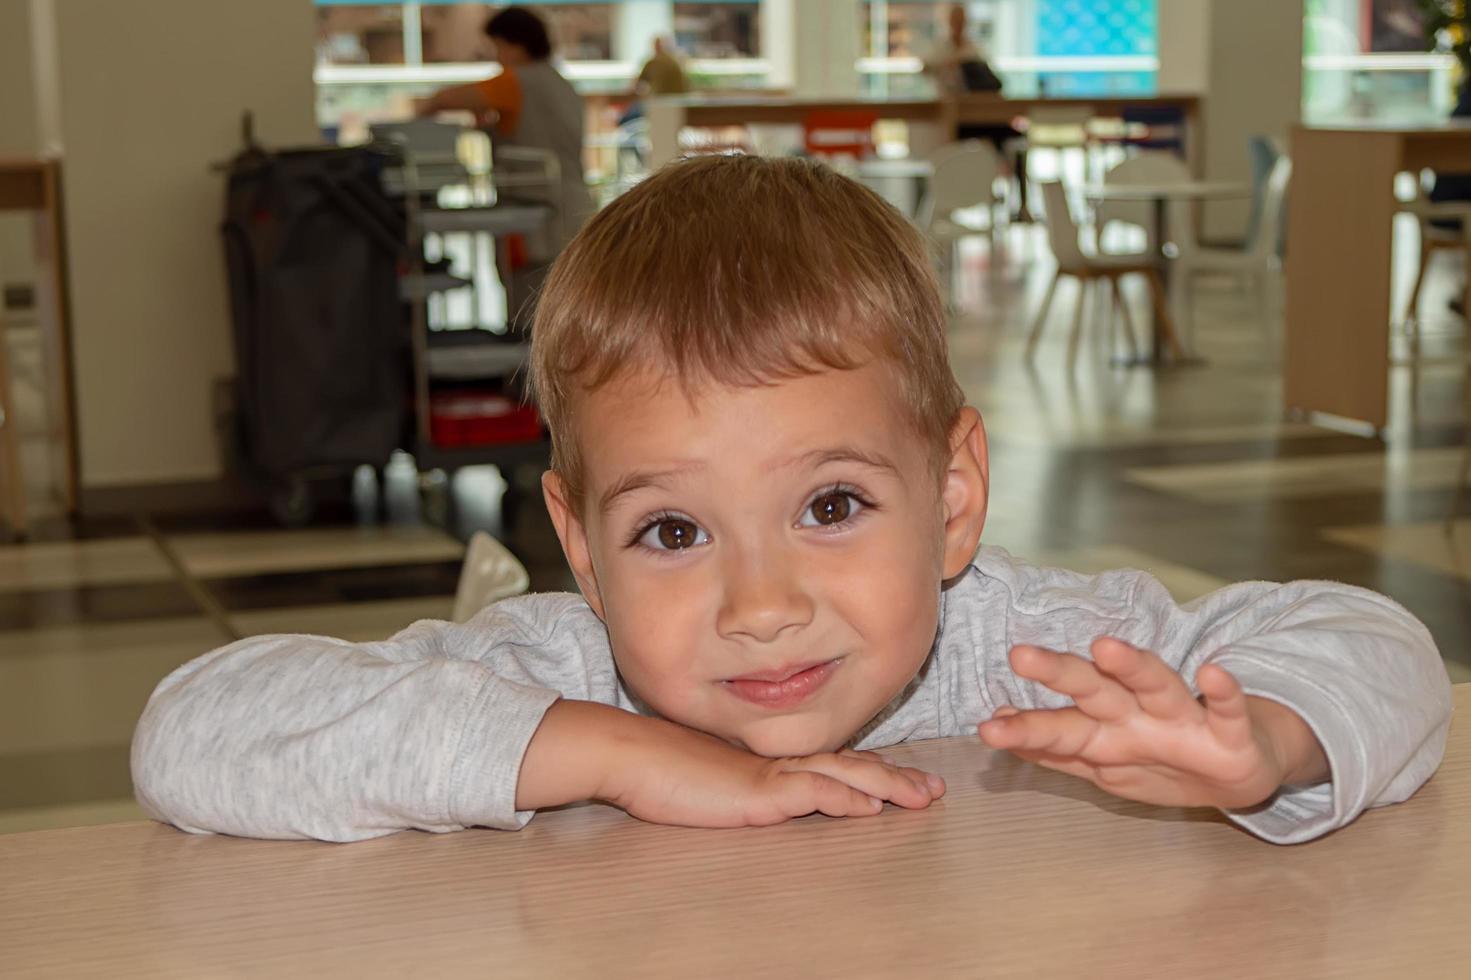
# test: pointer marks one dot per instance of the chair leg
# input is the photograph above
(1166, 323)
(1103, 314)
(1084, 288)
(1036, 332)
(1128, 321)
(1412, 308)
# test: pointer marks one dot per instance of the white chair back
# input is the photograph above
(1148, 168)
(490, 573)
(1062, 228)
(1269, 229)
(964, 177)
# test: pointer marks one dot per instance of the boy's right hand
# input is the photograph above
(665, 773)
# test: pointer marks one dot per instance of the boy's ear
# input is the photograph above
(573, 535)
(966, 488)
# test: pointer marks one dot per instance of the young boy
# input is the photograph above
(771, 495)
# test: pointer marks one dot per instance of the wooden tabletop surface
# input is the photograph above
(1018, 872)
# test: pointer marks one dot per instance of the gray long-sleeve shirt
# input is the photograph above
(306, 736)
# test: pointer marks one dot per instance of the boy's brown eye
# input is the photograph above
(832, 508)
(677, 534)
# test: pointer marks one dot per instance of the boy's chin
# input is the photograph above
(791, 735)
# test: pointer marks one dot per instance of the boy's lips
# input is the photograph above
(782, 688)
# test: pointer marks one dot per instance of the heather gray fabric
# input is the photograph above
(305, 736)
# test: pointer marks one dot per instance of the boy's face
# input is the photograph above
(768, 559)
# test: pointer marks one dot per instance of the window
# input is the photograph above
(359, 33)
(454, 33)
(1371, 58)
(1068, 47)
(718, 30)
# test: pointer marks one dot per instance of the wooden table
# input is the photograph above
(35, 185)
(1018, 872)
(1339, 249)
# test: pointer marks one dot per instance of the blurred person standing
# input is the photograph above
(529, 104)
(959, 66)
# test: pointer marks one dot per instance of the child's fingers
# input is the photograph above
(1064, 731)
(1157, 687)
(1071, 765)
(1225, 706)
(904, 787)
(806, 792)
(1096, 694)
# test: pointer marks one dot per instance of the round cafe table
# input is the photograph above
(1160, 195)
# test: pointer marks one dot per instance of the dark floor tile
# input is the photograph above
(64, 776)
(94, 604)
(332, 586)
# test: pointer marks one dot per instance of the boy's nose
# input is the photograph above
(763, 596)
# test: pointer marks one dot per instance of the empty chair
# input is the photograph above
(1087, 269)
(1464, 475)
(1442, 226)
(1059, 128)
(1263, 153)
(1258, 265)
(490, 573)
(1151, 168)
(964, 178)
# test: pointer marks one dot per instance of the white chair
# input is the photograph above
(1433, 239)
(490, 573)
(1151, 168)
(1465, 473)
(964, 178)
(1089, 268)
(1258, 265)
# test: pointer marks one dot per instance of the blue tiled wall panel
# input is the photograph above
(1097, 27)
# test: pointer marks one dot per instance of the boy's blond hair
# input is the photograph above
(740, 270)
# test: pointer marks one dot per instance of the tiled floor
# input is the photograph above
(1191, 473)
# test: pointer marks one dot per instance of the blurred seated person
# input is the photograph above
(528, 105)
(662, 74)
(958, 66)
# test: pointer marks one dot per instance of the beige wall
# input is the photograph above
(1255, 88)
(148, 94)
(17, 131)
(1184, 46)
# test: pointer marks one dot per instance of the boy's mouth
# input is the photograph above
(783, 688)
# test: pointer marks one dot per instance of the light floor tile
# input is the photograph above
(1183, 582)
(1104, 433)
(72, 564)
(70, 815)
(257, 552)
(1427, 545)
(1304, 477)
(356, 621)
(85, 686)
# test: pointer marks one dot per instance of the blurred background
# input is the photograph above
(268, 269)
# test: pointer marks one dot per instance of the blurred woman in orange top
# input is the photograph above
(527, 105)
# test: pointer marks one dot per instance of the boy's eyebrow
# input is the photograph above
(842, 454)
(640, 480)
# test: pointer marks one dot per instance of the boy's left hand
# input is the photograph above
(1136, 731)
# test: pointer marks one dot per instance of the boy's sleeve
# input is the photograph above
(306, 736)
(1357, 667)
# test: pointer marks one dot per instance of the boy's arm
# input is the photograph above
(1335, 678)
(305, 736)
(447, 726)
